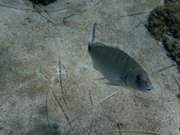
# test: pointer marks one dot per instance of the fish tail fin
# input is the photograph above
(91, 37)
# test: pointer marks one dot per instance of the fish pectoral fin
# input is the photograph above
(109, 74)
(102, 78)
(112, 83)
(114, 78)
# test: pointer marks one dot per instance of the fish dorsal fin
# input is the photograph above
(91, 36)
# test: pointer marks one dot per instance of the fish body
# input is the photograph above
(117, 66)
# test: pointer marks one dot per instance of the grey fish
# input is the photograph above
(117, 66)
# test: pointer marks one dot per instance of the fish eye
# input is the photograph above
(138, 77)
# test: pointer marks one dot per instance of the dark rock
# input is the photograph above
(164, 25)
(43, 2)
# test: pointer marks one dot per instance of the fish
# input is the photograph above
(117, 66)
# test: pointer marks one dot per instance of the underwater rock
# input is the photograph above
(171, 1)
(165, 20)
(43, 2)
(164, 25)
(173, 47)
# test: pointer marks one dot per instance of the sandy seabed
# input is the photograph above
(48, 84)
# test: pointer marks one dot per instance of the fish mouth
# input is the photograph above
(149, 88)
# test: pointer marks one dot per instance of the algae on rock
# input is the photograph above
(164, 25)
